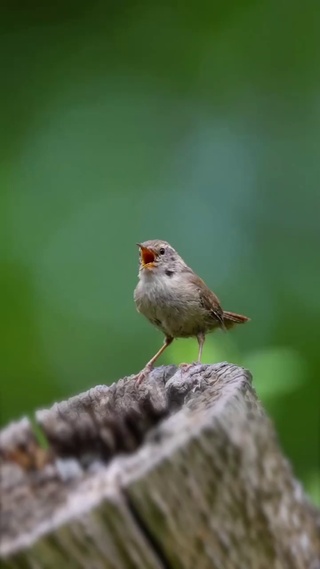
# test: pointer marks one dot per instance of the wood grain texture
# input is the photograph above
(184, 471)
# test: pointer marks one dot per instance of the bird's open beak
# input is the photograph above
(147, 256)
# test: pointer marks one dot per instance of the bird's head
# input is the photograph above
(158, 256)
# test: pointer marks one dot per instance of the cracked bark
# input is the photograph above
(184, 471)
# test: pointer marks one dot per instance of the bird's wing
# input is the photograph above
(207, 298)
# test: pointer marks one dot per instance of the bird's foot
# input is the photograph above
(141, 376)
(186, 367)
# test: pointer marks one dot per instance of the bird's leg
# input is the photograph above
(148, 367)
(166, 343)
(201, 338)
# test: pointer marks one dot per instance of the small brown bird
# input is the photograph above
(176, 300)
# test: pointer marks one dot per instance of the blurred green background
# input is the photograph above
(196, 122)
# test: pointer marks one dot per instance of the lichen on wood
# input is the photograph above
(183, 471)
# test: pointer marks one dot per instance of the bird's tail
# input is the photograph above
(231, 318)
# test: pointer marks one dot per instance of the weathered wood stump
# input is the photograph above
(184, 471)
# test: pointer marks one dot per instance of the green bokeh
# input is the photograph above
(195, 123)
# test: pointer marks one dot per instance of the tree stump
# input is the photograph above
(184, 471)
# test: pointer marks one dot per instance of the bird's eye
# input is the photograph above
(162, 251)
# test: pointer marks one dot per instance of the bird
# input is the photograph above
(176, 300)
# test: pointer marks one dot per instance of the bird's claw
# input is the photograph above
(141, 376)
(186, 367)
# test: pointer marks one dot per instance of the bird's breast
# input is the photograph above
(169, 304)
(156, 293)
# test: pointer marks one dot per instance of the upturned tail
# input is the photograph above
(231, 318)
